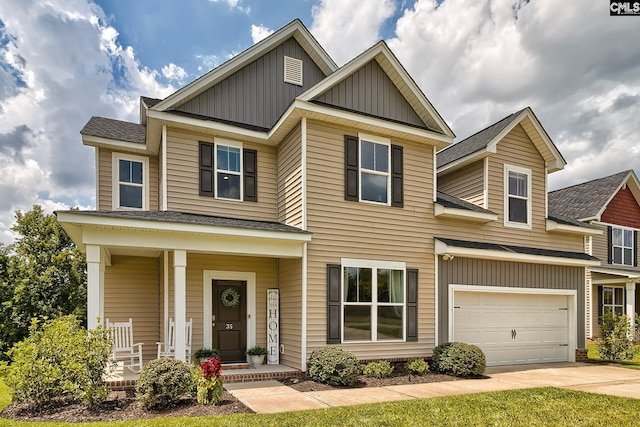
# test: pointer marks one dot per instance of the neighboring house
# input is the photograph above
(612, 204)
(279, 170)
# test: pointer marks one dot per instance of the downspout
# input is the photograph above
(303, 324)
(165, 278)
(164, 168)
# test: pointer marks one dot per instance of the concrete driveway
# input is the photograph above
(272, 396)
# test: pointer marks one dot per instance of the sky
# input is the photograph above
(477, 61)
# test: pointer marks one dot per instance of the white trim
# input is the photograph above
(97, 181)
(95, 285)
(98, 141)
(434, 174)
(303, 160)
(615, 272)
(246, 276)
(303, 322)
(516, 169)
(165, 203)
(436, 304)
(221, 142)
(553, 226)
(115, 184)
(469, 158)
(634, 247)
(465, 214)
(165, 284)
(380, 141)
(485, 184)
(352, 262)
(572, 306)
(180, 302)
(442, 248)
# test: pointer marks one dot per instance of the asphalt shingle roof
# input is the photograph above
(517, 249)
(187, 218)
(585, 200)
(150, 102)
(115, 129)
(475, 142)
(449, 201)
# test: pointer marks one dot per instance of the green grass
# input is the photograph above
(593, 355)
(532, 407)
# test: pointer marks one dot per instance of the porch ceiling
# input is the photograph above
(135, 232)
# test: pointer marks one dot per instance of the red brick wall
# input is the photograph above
(623, 210)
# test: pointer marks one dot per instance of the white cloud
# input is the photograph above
(345, 28)
(174, 72)
(259, 32)
(234, 4)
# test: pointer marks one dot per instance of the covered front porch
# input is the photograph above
(215, 272)
(613, 290)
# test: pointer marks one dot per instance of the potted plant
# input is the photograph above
(205, 354)
(256, 355)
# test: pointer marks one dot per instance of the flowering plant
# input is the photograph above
(209, 390)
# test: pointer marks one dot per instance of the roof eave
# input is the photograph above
(442, 211)
(554, 226)
(120, 145)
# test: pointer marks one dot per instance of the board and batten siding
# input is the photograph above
(290, 179)
(515, 149)
(470, 271)
(266, 277)
(257, 94)
(344, 229)
(105, 180)
(466, 183)
(131, 290)
(183, 181)
(290, 277)
(370, 90)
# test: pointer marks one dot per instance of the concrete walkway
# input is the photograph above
(271, 396)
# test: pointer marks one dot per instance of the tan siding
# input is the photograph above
(367, 231)
(466, 183)
(515, 149)
(183, 188)
(601, 244)
(131, 291)
(105, 180)
(528, 126)
(290, 179)
(290, 276)
(266, 277)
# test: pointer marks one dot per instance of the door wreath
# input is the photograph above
(230, 297)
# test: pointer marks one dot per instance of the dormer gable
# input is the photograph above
(623, 208)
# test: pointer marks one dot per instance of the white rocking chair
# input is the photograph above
(168, 349)
(124, 349)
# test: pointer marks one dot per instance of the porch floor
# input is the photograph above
(123, 377)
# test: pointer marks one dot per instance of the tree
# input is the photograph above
(42, 274)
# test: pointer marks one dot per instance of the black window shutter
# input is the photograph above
(351, 168)
(412, 304)
(635, 248)
(610, 244)
(206, 169)
(333, 303)
(600, 304)
(250, 172)
(397, 191)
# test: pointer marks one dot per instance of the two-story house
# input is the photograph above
(611, 204)
(284, 201)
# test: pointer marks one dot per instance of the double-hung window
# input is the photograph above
(228, 171)
(517, 190)
(373, 301)
(622, 246)
(130, 181)
(612, 300)
(374, 170)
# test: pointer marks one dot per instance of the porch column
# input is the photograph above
(95, 286)
(631, 303)
(180, 301)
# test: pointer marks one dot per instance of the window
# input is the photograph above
(612, 300)
(373, 302)
(373, 170)
(228, 171)
(130, 180)
(622, 246)
(517, 188)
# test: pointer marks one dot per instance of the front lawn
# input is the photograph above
(531, 407)
(593, 355)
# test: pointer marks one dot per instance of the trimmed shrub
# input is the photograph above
(617, 342)
(380, 369)
(60, 359)
(417, 366)
(459, 359)
(163, 382)
(333, 365)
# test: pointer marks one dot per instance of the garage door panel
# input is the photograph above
(513, 328)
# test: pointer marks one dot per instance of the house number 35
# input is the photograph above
(229, 326)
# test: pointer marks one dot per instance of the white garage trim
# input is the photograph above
(572, 307)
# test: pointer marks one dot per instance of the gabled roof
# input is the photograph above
(149, 102)
(588, 200)
(294, 29)
(450, 201)
(397, 73)
(483, 143)
(114, 129)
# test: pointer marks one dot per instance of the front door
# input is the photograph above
(229, 319)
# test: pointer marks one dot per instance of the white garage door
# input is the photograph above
(513, 328)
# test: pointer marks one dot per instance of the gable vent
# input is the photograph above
(293, 71)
